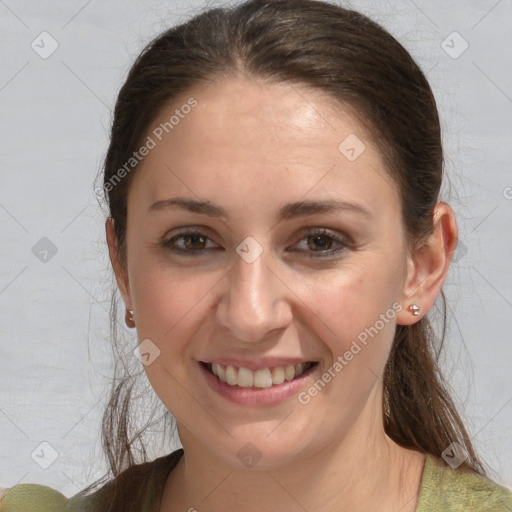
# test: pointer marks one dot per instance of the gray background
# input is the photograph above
(55, 115)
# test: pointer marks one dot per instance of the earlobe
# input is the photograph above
(428, 266)
(119, 271)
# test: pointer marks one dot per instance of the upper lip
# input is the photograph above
(257, 363)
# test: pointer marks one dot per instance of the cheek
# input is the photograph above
(356, 304)
(170, 308)
(167, 302)
(350, 300)
(355, 320)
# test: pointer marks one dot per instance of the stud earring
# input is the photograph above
(128, 318)
(414, 309)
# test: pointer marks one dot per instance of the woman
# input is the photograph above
(277, 238)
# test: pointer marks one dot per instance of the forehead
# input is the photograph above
(243, 135)
(247, 110)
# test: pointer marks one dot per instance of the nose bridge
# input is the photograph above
(254, 302)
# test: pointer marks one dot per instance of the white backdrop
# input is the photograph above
(56, 94)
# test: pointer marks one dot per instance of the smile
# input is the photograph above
(261, 378)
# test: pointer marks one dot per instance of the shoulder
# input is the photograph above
(137, 488)
(30, 497)
(447, 489)
(133, 490)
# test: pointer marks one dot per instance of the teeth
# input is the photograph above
(277, 375)
(263, 378)
(245, 377)
(289, 372)
(231, 376)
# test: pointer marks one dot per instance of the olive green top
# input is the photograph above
(443, 489)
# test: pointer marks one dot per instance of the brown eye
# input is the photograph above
(193, 243)
(320, 242)
(194, 240)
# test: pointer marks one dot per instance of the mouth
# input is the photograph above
(263, 378)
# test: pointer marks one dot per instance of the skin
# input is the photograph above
(252, 147)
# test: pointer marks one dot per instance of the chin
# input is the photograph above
(262, 447)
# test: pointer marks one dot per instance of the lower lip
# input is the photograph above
(258, 396)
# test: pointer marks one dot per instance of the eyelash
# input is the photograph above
(344, 244)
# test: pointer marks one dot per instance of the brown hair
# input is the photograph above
(357, 62)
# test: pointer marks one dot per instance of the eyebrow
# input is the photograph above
(286, 212)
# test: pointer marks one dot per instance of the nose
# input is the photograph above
(255, 302)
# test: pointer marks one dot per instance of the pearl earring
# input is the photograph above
(128, 318)
(414, 309)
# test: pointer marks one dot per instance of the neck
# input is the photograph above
(354, 474)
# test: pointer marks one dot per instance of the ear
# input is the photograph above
(119, 270)
(428, 265)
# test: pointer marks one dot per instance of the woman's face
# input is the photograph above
(294, 253)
